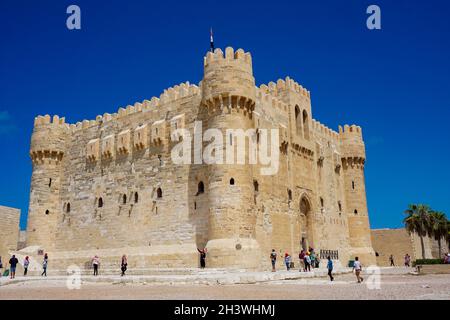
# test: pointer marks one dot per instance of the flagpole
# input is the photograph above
(211, 40)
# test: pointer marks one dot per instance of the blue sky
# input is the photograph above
(394, 82)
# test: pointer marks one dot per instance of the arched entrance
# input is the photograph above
(306, 228)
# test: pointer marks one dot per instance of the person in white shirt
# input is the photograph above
(357, 267)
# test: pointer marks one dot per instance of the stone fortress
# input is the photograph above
(109, 187)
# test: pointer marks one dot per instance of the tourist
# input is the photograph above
(287, 260)
(124, 264)
(391, 260)
(358, 268)
(95, 264)
(407, 260)
(1, 266)
(312, 256)
(13, 264)
(447, 258)
(273, 259)
(202, 257)
(307, 262)
(330, 268)
(44, 265)
(301, 256)
(26, 263)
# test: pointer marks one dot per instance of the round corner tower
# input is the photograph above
(353, 160)
(228, 100)
(47, 150)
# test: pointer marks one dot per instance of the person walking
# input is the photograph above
(1, 266)
(273, 259)
(407, 260)
(26, 263)
(330, 268)
(202, 257)
(301, 257)
(358, 268)
(307, 262)
(95, 264)
(44, 265)
(13, 264)
(123, 265)
(287, 261)
(391, 260)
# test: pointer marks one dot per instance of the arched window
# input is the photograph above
(200, 188)
(50, 182)
(305, 125)
(355, 212)
(353, 185)
(321, 202)
(255, 185)
(232, 181)
(100, 202)
(340, 206)
(68, 207)
(304, 206)
(298, 121)
(47, 212)
(124, 199)
(159, 193)
(136, 197)
(289, 194)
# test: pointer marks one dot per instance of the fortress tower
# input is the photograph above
(353, 159)
(47, 151)
(228, 99)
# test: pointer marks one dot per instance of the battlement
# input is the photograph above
(352, 143)
(169, 95)
(265, 97)
(217, 57)
(47, 120)
(322, 129)
(281, 85)
(353, 131)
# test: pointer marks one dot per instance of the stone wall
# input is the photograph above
(398, 242)
(9, 234)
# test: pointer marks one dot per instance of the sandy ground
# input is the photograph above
(393, 286)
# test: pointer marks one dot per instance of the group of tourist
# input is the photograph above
(307, 259)
(13, 262)
(406, 259)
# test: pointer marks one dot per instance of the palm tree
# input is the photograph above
(418, 221)
(439, 227)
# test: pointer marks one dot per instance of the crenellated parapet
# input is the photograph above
(171, 95)
(283, 85)
(352, 145)
(228, 81)
(48, 140)
(322, 129)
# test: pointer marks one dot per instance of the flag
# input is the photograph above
(211, 41)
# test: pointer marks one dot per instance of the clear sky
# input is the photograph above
(393, 82)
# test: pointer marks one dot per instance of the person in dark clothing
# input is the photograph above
(44, 265)
(13, 263)
(123, 265)
(391, 260)
(330, 268)
(26, 263)
(273, 259)
(202, 257)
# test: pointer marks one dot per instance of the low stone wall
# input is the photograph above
(433, 269)
(9, 231)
